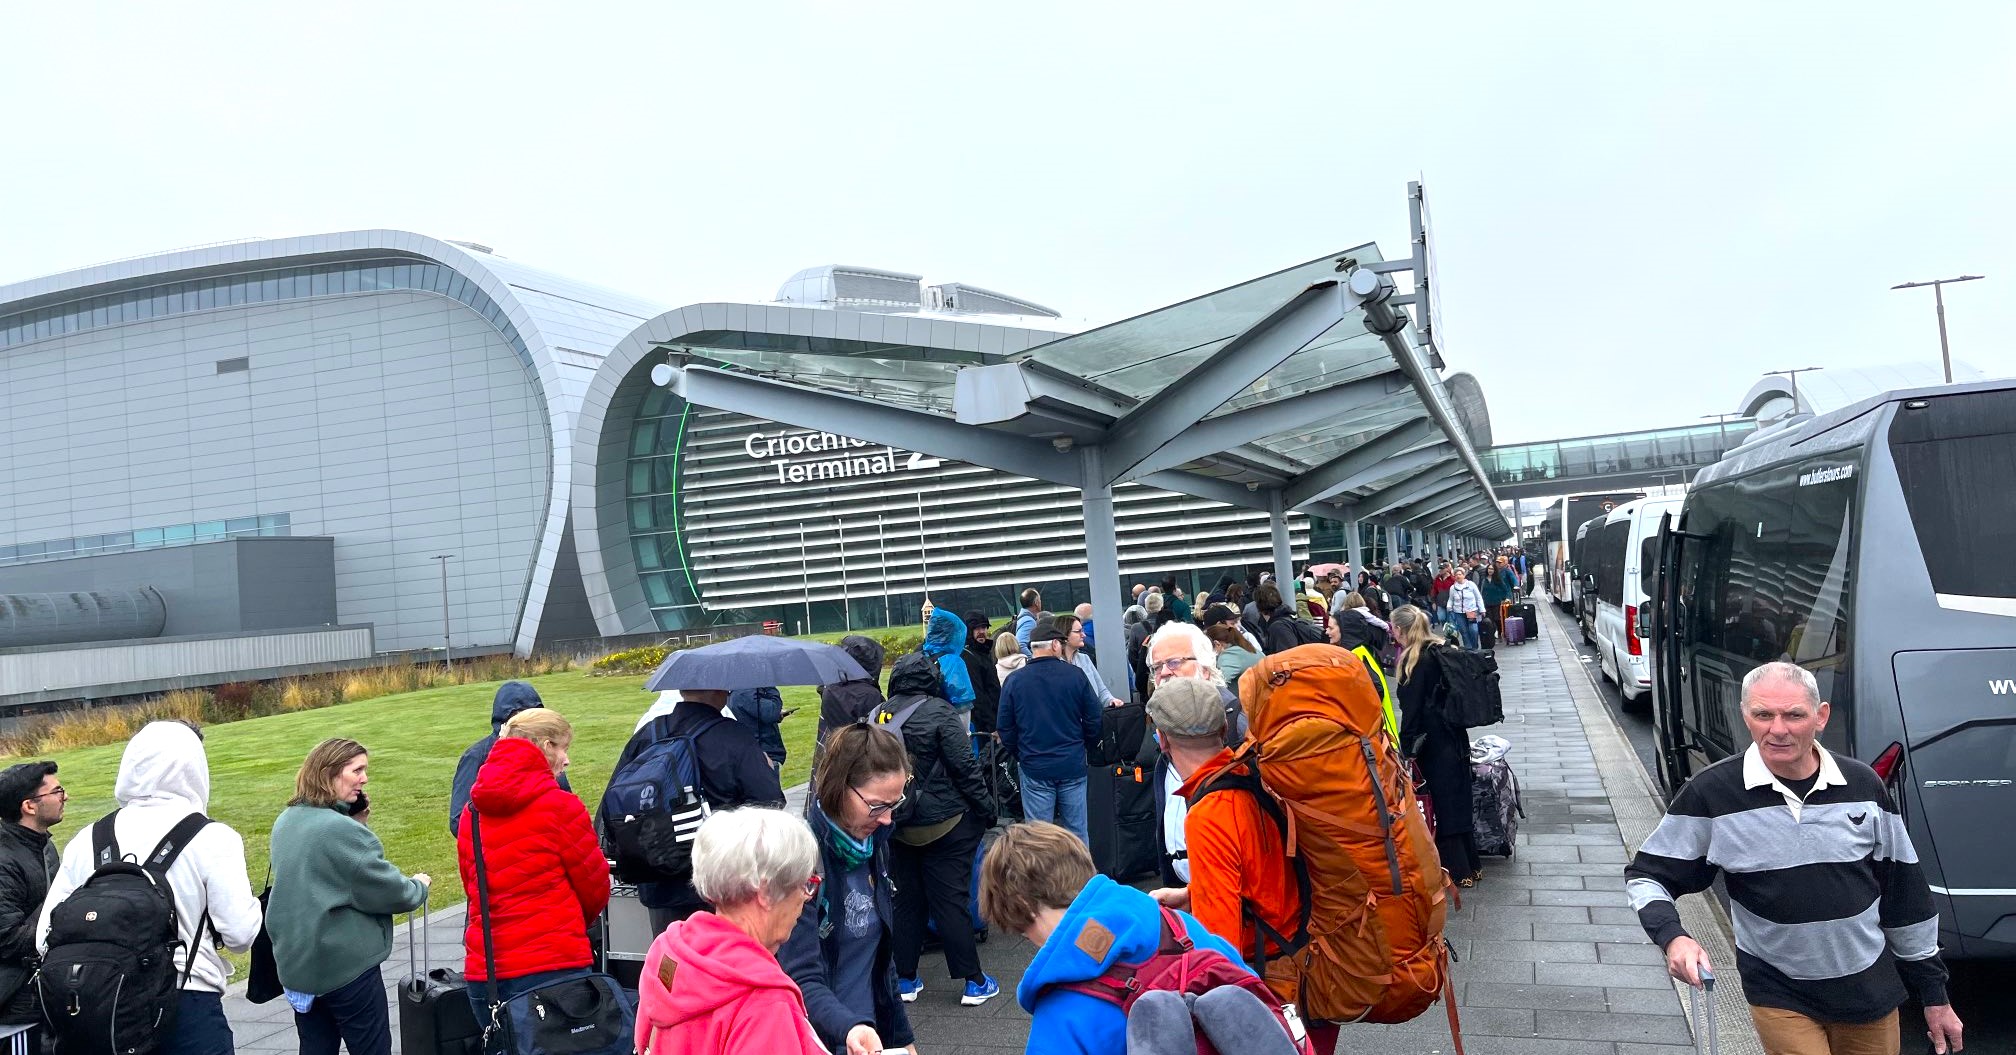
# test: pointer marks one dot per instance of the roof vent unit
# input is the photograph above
(959, 297)
(474, 247)
(853, 289)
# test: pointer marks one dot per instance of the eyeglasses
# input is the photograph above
(812, 884)
(59, 791)
(1167, 668)
(879, 809)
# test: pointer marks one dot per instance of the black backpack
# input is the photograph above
(652, 809)
(107, 985)
(891, 719)
(1472, 680)
(1308, 633)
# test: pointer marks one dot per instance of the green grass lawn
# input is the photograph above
(415, 739)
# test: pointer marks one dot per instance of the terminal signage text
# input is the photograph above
(831, 456)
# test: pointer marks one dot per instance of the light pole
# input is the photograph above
(447, 637)
(1939, 299)
(1794, 375)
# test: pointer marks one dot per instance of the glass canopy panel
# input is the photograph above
(1138, 357)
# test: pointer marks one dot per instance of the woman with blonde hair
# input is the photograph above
(1439, 747)
(1008, 656)
(334, 896)
(543, 868)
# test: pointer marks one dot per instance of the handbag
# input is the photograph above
(262, 979)
(587, 1014)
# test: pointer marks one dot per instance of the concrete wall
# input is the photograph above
(398, 423)
(224, 587)
(34, 675)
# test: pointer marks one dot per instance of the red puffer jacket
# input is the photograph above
(546, 871)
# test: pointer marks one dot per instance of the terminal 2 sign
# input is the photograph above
(809, 457)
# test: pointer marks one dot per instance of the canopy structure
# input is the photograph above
(1307, 389)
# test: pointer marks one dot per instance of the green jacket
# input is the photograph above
(334, 895)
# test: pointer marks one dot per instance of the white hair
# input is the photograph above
(1783, 671)
(1152, 602)
(744, 852)
(1200, 647)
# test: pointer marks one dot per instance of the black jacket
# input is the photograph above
(28, 860)
(1280, 633)
(734, 771)
(1440, 748)
(979, 657)
(809, 953)
(850, 701)
(948, 781)
(1353, 629)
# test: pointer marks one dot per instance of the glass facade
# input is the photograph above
(147, 538)
(164, 299)
(656, 452)
(1690, 447)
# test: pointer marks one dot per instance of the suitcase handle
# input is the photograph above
(413, 959)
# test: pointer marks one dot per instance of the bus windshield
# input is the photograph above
(1956, 459)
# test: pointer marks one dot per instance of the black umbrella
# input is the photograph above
(755, 662)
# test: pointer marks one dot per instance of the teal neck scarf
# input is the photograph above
(852, 852)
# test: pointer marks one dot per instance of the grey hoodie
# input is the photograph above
(163, 777)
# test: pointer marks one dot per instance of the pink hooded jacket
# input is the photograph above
(710, 989)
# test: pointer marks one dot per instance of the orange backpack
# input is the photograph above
(1320, 761)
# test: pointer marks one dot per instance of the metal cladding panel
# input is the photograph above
(85, 615)
(134, 662)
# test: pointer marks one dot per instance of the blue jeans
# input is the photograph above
(353, 1014)
(202, 1029)
(1469, 629)
(1061, 802)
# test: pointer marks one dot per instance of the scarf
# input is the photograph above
(853, 853)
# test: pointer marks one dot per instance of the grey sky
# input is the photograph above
(1638, 206)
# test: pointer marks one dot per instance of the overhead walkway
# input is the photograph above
(1625, 459)
(1308, 389)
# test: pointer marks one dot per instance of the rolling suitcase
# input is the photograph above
(1487, 634)
(1515, 630)
(1495, 807)
(1526, 611)
(434, 1013)
(1120, 817)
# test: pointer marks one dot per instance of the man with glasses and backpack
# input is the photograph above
(158, 885)
(31, 802)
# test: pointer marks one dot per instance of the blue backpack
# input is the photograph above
(652, 809)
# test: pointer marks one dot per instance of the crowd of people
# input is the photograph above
(822, 914)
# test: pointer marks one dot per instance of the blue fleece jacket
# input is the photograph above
(1049, 716)
(1068, 1023)
(944, 639)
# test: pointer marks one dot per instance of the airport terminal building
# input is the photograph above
(263, 456)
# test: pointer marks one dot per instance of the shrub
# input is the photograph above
(236, 701)
(642, 660)
(897, 645)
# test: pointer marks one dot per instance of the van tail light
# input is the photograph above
(1631, 630)
(1886, 764)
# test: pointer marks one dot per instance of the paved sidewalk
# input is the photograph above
(1552, 961)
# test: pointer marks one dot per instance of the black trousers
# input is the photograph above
(1459, 854)
(937, 878)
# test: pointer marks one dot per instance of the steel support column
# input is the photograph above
(1284, 557)
(1102, 569)
(1351, 547)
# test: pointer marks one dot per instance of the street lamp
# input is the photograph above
(1939, 299)
(447, 638)
(1794, 375)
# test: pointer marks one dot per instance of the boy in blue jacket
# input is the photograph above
(1038, 881)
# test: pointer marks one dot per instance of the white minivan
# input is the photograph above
(1623, 563)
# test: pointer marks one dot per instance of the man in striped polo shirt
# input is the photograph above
(1834, 921)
